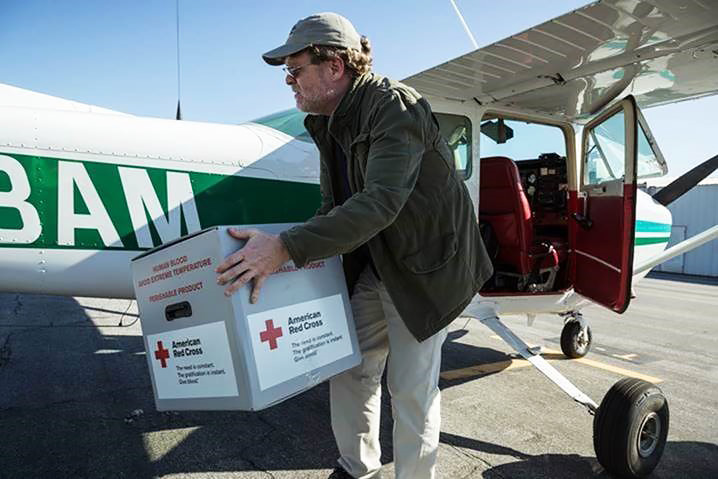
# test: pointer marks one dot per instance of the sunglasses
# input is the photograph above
(294, 71)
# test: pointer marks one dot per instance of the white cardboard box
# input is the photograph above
(206, 351)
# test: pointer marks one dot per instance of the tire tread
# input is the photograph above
(613, 421)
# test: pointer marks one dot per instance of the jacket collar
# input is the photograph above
(347, 105)
(350, 101)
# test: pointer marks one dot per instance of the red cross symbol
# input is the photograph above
(162, 354)
(271, 334)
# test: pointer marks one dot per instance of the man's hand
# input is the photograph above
(261, 256)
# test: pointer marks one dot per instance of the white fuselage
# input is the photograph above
(88, 192)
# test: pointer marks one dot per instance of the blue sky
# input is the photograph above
(122, 55)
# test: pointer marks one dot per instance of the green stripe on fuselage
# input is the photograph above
(643, 226)
(655, 240)
(220, 200)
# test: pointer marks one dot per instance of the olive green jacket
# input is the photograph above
(408, 204)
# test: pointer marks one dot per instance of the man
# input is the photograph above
(393, 205)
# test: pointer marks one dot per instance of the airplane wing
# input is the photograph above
(11, 96)
(660, 51)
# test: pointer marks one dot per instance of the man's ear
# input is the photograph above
(337, 67)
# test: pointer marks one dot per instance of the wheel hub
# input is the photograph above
(648, 434)
(582, 338)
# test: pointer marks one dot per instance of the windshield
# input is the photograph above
(522, 140)
(289, 122)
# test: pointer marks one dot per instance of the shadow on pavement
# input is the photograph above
(69, 390)
(549, 466)
(457, 355)
(683, 278)
(681, 459)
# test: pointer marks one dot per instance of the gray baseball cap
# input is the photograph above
(329, 29)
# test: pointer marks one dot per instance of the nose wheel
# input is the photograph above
(630, 428)
(576, 338)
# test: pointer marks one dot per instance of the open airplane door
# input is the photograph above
(604, 216)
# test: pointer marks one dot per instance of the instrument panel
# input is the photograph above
(545, 183)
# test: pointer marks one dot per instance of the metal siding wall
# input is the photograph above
(698, 210)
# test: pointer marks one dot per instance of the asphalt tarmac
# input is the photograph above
(76, 399)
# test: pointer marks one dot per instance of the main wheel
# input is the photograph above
(575, 341)
(630, 428)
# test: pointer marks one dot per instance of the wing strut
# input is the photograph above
(679, 249)
(463, 22)
(685, 182)
(485, 312)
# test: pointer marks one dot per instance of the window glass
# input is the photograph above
(520, 140)
(605, 157)
(456, 130)
(647, 163)
(289, 122)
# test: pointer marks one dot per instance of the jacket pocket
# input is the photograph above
(435, 255)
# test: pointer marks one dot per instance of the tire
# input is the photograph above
(630, 428)
(572, 345)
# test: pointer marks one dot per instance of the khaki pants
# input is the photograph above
(412, 378)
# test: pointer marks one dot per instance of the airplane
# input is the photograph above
(547, 133)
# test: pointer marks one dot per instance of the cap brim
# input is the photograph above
(276, 57)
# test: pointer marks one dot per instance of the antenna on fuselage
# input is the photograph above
(463, 22)
(179, 110)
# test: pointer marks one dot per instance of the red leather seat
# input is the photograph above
(503, 204)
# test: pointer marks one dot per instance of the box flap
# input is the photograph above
(173, 242)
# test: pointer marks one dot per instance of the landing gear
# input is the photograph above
(630, 428)
(576, 337)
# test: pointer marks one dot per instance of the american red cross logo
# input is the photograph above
(162, 354)
(271, 334)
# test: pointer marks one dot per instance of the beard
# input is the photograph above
(318, 100)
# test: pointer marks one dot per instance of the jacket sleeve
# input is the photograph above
(396, 147)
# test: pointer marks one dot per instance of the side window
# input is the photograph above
(605, 157)
(456, 129)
